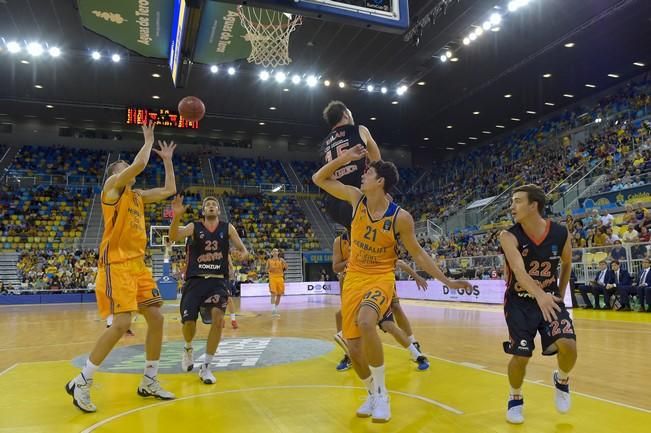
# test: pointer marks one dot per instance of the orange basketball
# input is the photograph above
(192, 108)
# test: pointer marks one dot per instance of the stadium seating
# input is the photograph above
(244, 171)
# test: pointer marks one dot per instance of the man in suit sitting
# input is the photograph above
(644, 285)
(621, 284)
(597, 286)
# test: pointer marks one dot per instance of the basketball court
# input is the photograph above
(279, 375)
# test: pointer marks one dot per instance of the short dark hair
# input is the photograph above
(388, 171)
(534, 194)
(210, 197)
(110, 170)
(614, 262)
(334, 112)
(603, 262)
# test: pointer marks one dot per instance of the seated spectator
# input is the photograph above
(597, 286)
(606, 218)
(631, 235)
(618, 252)
(643, 286)
(621, 284)
(611, 237)
(644, 235)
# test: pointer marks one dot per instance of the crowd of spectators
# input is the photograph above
(60, 271)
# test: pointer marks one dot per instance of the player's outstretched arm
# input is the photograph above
(240, 252)
(323, 178)
(158, 194)
(338, 262)
(405, 229)
(177, 233)
(120, 180)
(547, 302)
(420, 281)
(371, 146)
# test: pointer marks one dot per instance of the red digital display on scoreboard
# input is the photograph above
(161, 117)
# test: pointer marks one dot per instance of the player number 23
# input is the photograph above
(212, 245)
(376, 296)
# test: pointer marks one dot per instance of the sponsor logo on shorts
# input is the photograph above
(155, 292)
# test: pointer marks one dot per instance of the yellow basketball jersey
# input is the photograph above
(276, 267)
(124, 235)
(373, 247)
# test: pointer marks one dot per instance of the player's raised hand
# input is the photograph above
(148, 131)
(166, 150)
(355, 153)
(548, 304)
(177, 205)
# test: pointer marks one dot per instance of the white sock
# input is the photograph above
(233, 317)
(207, 359)
(368, 383)
(151, 368)
(109, 320)
(188, 345)
(378, 379)
(516, 392)
(563, 375)
(413, 351)
(89, 369)
(412, 339)
(274, 308)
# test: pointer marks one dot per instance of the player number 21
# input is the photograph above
(370, 230)
(376, 296)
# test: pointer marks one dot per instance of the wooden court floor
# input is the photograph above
(464, 390)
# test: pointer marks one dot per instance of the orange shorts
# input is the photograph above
(374, 291)
(277, 285)
(124, 287)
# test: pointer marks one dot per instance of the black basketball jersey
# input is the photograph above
(340, 139)
(207, 252)
(541, 258)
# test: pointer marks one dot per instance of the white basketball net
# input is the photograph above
(268, 32)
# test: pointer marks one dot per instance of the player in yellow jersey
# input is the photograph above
(124, 285)
(340, 256)
(376, 227)
(276, 267)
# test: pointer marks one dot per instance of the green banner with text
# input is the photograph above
(143, 26)
(221, 36)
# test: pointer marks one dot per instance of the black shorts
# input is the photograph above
(524, 318)
(203, 292)
(340, 211)
(388, 317)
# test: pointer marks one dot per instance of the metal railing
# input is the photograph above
(25, 178)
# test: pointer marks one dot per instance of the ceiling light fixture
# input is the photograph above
(116, 58)
(515, 119)
(568, 95)
(640, 64)
(13, 47)
(214, 69)
(96, 55)
(384, 90)
(547, 75)
(421, 83)
(508, 95)
(230, 71)
(592, 86)
(475, 112)
(342, 84)
(54, 52)
(280, 77)
(311, 80)
(34, 49)
(499, 126)
(569, 45)
(394, 102)
(530, 112)
(155, 75)
(613, 75)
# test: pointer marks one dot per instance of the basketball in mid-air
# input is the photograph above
(192, 108)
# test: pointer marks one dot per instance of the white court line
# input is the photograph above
(471, 365)
(594, 397)
(261, 388)
(8, 369)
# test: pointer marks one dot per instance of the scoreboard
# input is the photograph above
(161, 117)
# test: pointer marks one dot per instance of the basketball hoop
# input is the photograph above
(268, 32)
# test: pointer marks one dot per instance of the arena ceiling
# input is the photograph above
(608, 37)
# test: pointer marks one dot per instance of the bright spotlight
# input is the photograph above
(311, 81)
(264, 75)
(513, 6)
(296, 79)
(342, 84)
(34, 49)
(13, 47)
(401, 90)
(370, 88)
(280, 77)
(231, 70)
(214, 69)
(96, 55)
(326, 83)
(487, 25)
(495, 19)
(448, 54)
(55, 52)
(383, 90)
(472, 36)
(466, 40)
(116, 58)
(443, 58)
